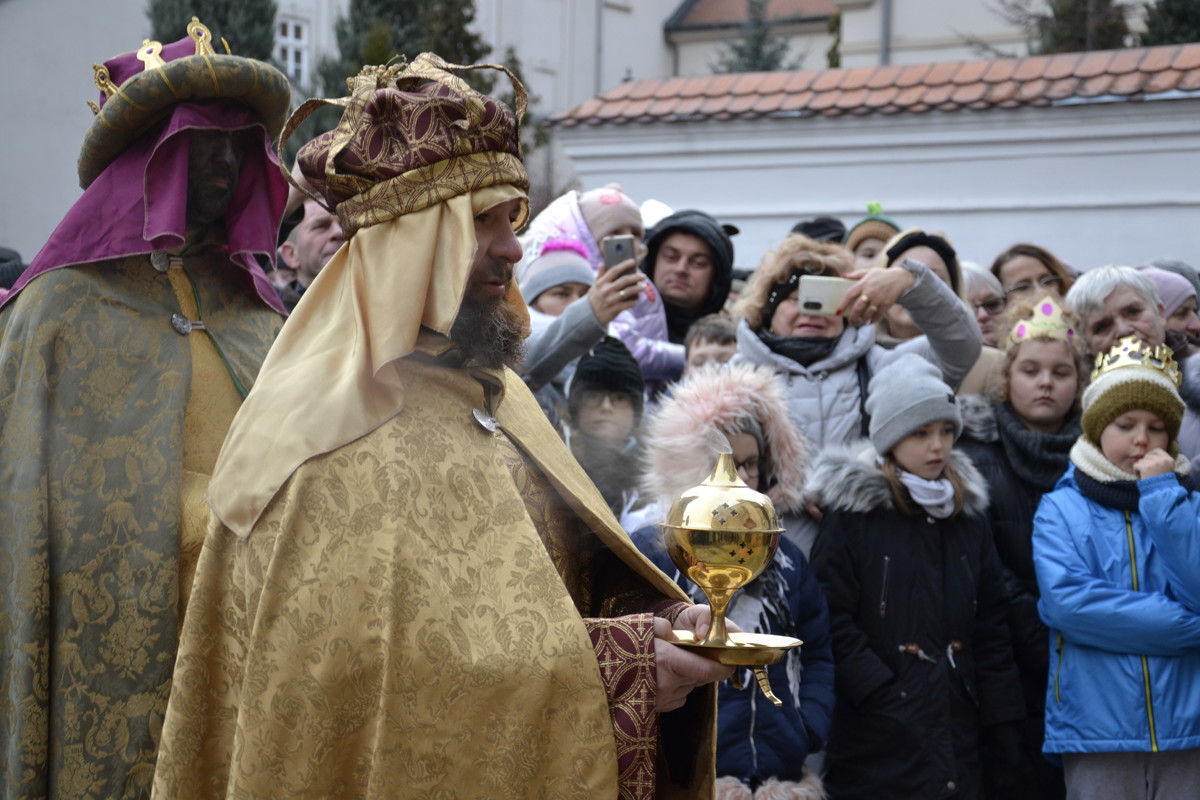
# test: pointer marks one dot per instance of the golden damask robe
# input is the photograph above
(95, 386)
(433, 610)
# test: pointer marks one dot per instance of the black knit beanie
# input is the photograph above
(609, 366)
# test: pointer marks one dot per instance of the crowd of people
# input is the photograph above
(348, 489)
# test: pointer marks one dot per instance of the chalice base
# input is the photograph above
(746, 650)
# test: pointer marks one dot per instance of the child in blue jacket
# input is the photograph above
(1117, 553)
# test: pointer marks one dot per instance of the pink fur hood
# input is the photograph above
(715, 399)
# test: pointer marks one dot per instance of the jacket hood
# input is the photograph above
(979, 417)
(846, 478)
(707, 229)
(715, 399)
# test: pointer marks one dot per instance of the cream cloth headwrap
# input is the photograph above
(329, 379)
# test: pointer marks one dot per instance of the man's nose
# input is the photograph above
(505, 246)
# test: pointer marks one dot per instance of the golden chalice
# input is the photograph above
(722, 534)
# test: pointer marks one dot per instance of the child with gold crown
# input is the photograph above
(1021, 442)
(1117, 552)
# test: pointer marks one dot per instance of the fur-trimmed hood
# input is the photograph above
(979, 417)
(717, 398)
(846, 478)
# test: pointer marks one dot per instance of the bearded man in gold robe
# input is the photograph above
(416, 592)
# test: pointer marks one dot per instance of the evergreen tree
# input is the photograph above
(759, 49)
(247, 25)
(1070, 26)
(1172, 22)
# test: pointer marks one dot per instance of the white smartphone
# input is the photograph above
(820, 295)
(618, 249)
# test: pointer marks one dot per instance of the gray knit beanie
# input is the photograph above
(558, 264)
(905, 395)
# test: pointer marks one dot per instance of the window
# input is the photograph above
(291, 49)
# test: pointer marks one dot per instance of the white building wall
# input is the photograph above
(695, 53)
(1096, 184)
(924, 31)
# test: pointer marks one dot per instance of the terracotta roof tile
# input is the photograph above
(1094, 87)
(1059, 90)
(1061, 66)
(857, 78)
(884, 76)
(936, 95)
(1134, 75)
(801, 80)
(1125, 61)
(796, 102)
(971, 72)
(1190, 81)
(970, 93)
(672, 88)
(999, 70)
(1163, 81)
(770, 102)
(881, 98)
(1130, 83)
(1029, 69)
(1093, 64)
(1158, 58)
(941, 73)
(1005, 92)
(851, 100)
(910, 96)
(913, 75)
(773, 82)
(827, 80)
(747, 83)
(1187, 58)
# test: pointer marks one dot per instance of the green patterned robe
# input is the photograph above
(94, 383)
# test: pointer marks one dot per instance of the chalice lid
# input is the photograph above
(723, 502)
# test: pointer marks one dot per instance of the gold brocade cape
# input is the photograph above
(93, 387)
(394, 626)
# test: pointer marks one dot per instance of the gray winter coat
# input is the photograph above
(824, 399)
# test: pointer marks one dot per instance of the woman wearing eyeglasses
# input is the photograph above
(761, 749)
(1026, 272)
(986, 297)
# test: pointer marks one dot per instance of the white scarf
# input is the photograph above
(936, 497)
(1092, 461)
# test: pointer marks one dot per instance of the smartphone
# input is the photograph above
(618, 249)
(820, 294)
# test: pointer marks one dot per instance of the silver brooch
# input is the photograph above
(183, 326)
(486, 421)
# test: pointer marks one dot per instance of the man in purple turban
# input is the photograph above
(126, 348)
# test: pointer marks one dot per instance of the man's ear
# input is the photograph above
(287, 251)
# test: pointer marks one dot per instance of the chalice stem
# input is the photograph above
(718, 633)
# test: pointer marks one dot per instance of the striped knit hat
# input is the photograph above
(1132, 376)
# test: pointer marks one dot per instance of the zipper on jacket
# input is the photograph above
(887, 561)
(1058, 668)
(1145, 661)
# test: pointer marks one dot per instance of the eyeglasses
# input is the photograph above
(993, 306)
(593, 398)
(750, 467)
(1044, 282)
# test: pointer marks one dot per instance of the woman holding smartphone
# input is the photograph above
(827, 360)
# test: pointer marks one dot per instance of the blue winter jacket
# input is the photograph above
(1120, 592)
(756, 740)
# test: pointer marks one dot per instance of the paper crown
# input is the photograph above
(1047, 322)
(1132, 352)
(140, 88)
(412, 135)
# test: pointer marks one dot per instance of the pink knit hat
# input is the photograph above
(608, 209)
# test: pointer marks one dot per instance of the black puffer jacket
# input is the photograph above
(922, 654)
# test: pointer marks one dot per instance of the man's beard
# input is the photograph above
(491, 334)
